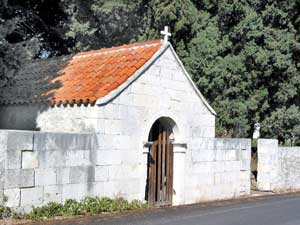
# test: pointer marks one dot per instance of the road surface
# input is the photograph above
(275, 210)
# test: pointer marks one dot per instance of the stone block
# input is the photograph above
(75, 191)
(19, 140)
(78, 158)
(82, 174)
(265, 145)
(108, 111)
(121, 188)
(29, 160)
(44, 177)
(203, 167)
(3, 141)
(200, 179)
(19, 178)
(32, 196)
(3, 159)
(203, 155)
(231, 155)
(63, 175)
(220, 155)
(101, 173)
(97, 189)
(227, 177)
(128, 171)
(245, 164)
(13, 197)
(52, 159)
(219, 166)
(245, 175)
(114, 157)
(202, 143)
(113, 126)
(203, 132)
(231, 166)
(14, 159)
(246, 154)
(64, 141)
(2, 178)
(52, 193)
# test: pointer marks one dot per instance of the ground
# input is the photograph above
(266, 210)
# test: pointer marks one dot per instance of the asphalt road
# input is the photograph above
(275, 210)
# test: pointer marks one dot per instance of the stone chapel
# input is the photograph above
(138, 99)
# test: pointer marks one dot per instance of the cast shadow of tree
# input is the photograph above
(33, 87)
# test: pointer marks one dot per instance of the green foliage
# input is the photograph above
(5, 212)
(52, 209)
(87, 205)
(244, 55)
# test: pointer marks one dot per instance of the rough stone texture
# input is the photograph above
(52, 193)
(19, 178)
(278, 167)
(210, 168)
(218, 169)
(32, 196)
(45, 177)
(289, 168)
(13, 197)
(29, 160)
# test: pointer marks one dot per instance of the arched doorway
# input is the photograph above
(160, 163)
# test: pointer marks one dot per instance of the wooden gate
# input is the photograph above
(160, 181)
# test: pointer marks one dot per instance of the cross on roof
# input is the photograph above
(166, 34)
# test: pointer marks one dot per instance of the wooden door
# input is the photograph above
(160, 189)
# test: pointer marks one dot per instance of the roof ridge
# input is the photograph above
(115, 50)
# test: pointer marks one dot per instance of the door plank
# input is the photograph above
(163, 167)
(158, 184)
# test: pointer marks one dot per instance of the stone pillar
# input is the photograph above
(268, 164)
(179, 174)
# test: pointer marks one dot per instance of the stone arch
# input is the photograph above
(170, 120)
(168, 124)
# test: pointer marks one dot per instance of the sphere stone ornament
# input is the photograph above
(256, 133)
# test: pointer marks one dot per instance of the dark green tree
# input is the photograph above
(244, 55)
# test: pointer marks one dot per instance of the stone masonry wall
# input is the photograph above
(218, 169)
(39, 167)
(278, 167)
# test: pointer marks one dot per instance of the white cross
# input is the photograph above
(166, 34)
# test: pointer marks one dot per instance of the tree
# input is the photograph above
(244, 55)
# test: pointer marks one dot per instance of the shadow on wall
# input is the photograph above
(31, 93)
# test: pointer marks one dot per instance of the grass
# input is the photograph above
(71, 207)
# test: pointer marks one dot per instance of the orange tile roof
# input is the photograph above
(81, 78)
(91, 75)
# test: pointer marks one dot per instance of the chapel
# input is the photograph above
(136, 98)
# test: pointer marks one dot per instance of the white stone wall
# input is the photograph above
(278, 167)
(217, 169)
(39, 167)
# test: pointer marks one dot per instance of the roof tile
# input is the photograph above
(81, 78)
